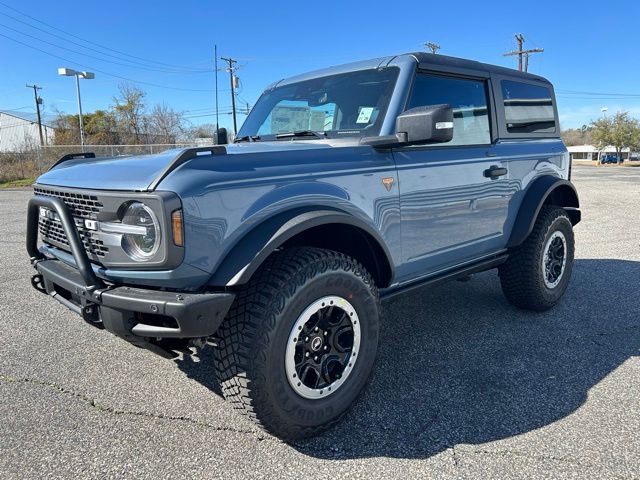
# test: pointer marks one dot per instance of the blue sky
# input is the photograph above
(591, 48)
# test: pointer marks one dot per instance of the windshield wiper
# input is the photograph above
(247, 138)
(301, 133)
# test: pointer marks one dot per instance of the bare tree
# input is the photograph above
(65, 129)
(166, 124)
(130, 112)
(577, 136)
(206, 130)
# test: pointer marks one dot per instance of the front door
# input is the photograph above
(454, 197)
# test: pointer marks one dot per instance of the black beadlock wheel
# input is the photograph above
(299, 342)
(537, 273)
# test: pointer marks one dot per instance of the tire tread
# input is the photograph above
(249, 325)
(519, 275)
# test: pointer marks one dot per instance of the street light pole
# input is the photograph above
(70, 72)
(80, 112)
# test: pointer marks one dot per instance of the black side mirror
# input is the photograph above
(222, 138)
(431, 124)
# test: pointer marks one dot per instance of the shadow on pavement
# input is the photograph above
(458, 364)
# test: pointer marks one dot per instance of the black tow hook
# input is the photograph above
(37, 282)
(91, 315)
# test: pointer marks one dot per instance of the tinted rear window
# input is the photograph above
(528, 108)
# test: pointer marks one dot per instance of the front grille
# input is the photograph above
(82, 206)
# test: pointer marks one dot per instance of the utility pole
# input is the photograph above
(38, 103)
(434, 47)
(231, 70)
(523, 54)
(215, 55)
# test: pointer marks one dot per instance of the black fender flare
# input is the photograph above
(546, 188)
(246, 256)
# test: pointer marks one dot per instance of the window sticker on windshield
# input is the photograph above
(364, 115)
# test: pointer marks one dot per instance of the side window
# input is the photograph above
(528, 108)
(468, 98)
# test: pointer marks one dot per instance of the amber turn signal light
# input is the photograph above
(178, 230)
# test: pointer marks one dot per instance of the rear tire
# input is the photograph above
(278, 317)
(537, 273)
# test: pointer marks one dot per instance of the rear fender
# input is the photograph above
(544, 190)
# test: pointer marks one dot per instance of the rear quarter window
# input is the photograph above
(528, 108)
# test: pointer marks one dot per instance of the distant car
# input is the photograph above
(610, 159)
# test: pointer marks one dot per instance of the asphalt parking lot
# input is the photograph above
(466, 386)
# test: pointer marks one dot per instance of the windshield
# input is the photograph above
(347, 104)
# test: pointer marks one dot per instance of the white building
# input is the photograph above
(590, 152)
(19, 131)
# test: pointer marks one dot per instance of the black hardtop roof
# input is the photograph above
(430, 61)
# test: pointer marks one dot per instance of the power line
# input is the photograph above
(104, 72)
(213, 114)
(602, 94)
(89, 41)
(133, 62)
(14, 109)
(11, 125)
(523, 54)
(141, 67)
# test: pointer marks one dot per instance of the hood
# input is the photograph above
(139, 172)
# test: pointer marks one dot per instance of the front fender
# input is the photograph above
(545, 189)
(253, 249)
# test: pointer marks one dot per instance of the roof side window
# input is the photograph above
(468, 98)
(528, 108)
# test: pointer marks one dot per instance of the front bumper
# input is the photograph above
(141, 316)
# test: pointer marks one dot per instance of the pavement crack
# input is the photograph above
(593, 336)
(456, 461)
(543, 458)
(102, 408)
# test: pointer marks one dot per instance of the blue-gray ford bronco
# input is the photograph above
(344, 187)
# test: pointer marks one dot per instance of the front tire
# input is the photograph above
(537, 273)
(299, 343)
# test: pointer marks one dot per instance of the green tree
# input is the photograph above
(100, 127)
(620, 131)
(65, 129)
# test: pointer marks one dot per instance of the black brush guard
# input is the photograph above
(144, 317)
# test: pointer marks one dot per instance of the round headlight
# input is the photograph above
(144, 244)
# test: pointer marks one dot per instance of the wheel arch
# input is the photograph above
(545, 190)
(332, 229)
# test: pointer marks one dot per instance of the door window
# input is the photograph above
(468, 98)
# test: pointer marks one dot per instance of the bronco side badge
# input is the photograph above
(388, 183)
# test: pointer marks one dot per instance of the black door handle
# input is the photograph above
(495, 171)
